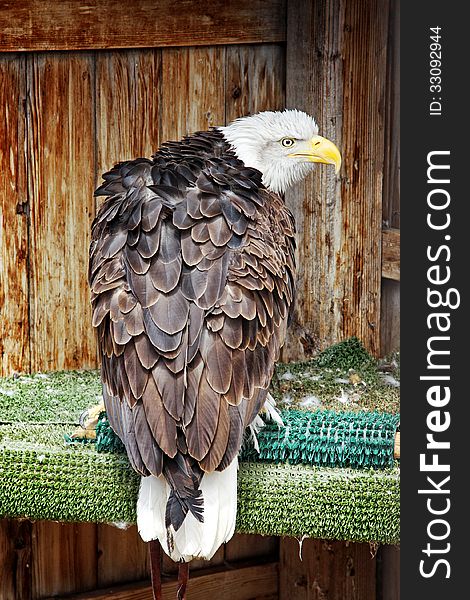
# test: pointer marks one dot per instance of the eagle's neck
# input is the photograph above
(278, 174)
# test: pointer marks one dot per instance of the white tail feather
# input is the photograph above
(193, 539)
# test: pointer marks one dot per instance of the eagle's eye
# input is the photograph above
(287, 142)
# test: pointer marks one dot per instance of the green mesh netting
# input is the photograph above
(327, 438)
(322, 438)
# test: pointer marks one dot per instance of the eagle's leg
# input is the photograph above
(183, 576)
(155, 568)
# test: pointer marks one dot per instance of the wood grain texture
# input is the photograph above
(314, 83)
(390, 310)
(171, 568)
(255, 79)
(15, 559)
(389, 572)
(122, 556)
(127, 105)
(390, 317)
(343, 45)
(61, 177)
(359, 258)
(245, 547)
(391, 188)
(391, 254)
(14, 318)
(241, 583)
(328, 570)
(193, 90)
(73, 25)
(63, 558)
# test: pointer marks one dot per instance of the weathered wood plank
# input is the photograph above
(333, 570)
(15, 559)
(122, 556)
(391, 254)
(240, 583)
(390, 317)
(390, 310)
(14, 320)
(389, 572)
(245, 547)
(343, 46)
(63, 558)
(171, 568)
(61, 178)
(193, 90)
(314, 83)
(255, 79)
(391, 188)
(73, 25)
(364, 71)
(127, 105)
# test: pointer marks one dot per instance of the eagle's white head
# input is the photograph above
(282, 145)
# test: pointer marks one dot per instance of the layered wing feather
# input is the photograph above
(191, 273)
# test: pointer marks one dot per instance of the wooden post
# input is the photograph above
(336, 67)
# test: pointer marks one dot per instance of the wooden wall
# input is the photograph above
(67, 118)
(83, 86)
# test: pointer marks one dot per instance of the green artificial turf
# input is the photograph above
(43, 477)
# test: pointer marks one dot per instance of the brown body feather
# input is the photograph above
(191, 275)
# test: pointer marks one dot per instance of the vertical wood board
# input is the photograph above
(364, 69)
(315, 84)
(342, 45)
(63, 558)
(389, 584)
(128, 86)
(328, 570)
(122, 556)
(391, 188)
(250, 547)
(255, 79)
(390, 317)
(15, 559)
(193, 90)
(14, 318)
(61, 177)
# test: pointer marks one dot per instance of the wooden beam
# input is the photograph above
(230, 583)
(391, 254)
(97, 24)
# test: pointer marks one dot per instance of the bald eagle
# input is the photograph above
(192, 277)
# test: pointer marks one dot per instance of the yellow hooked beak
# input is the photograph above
(320, 150)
